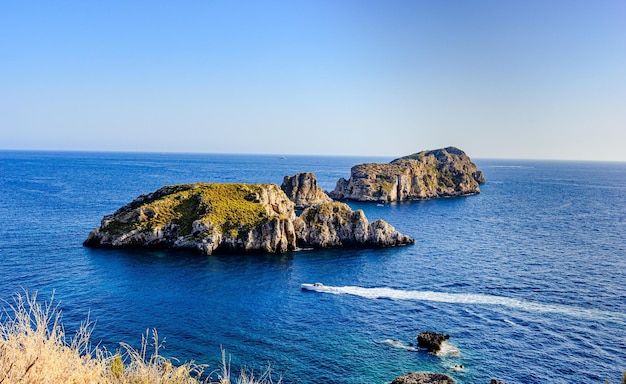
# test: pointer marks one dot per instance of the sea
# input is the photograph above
(528, 277)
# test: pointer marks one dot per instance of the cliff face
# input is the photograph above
(211, 218)
(302, 189)
(423, 175)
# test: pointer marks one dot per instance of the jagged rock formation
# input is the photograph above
(336, 225)
(210, 218)
(302, 189)
(424, 378)
(423, 175)
(431, 340)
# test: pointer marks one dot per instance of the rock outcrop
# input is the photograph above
(424, 378)
(428, 174)
(212, 218)
(302, 189)
(431, 340)
(336, 225)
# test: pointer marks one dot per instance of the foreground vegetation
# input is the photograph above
(35, 349)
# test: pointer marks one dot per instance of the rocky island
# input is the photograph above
(212, 218)
(439, 173)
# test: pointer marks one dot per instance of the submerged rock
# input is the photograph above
(432, 341)
(427, 174)
(424, 378)
(302, 189)
(211, 218)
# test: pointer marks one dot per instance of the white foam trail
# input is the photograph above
(400, 345)
(474, 298)
(448, 350)
(511, 322)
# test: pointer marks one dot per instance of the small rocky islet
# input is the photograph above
(446, 172)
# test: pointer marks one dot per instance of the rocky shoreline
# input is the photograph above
(424, 378)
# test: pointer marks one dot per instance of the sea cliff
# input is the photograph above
(213, 218)
(439, 173)
(302, 189)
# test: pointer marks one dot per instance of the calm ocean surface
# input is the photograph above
(528, 277)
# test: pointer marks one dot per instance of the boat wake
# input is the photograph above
(479, 299)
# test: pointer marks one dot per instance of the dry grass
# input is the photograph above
(34, 349)
(246, 376)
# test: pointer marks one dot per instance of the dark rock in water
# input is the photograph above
(424, 378)
(302, 189)
(495, 381)
(212, 218)
(427, 174)
(431, 340)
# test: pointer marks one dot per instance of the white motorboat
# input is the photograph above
(317, 287)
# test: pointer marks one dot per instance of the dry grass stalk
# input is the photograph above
(33, 349)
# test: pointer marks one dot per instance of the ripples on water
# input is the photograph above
(527, 277)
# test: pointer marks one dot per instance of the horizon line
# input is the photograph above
(154, 152)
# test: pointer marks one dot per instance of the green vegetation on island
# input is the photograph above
(230, 207)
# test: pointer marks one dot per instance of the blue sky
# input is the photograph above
(498, 79)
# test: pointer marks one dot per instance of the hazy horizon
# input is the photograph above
(287, 155)
(500, 80)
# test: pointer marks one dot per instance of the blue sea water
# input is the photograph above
(528, 277)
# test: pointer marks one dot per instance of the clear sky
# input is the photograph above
(537, 79)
